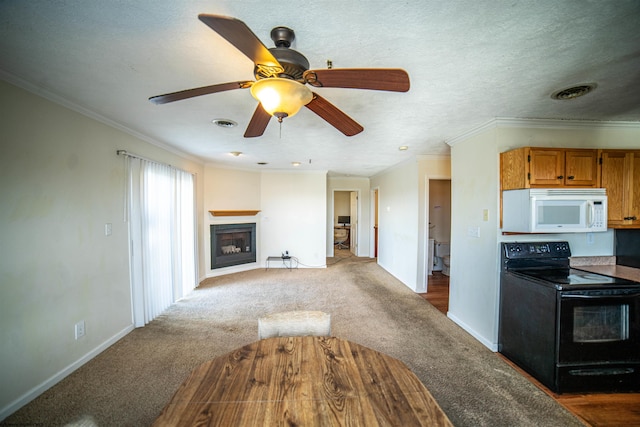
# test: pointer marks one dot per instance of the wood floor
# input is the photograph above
(597, 410)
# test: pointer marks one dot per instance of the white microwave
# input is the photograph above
(554, 210)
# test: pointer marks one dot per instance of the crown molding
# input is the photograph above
(56, 99)
(507, 122)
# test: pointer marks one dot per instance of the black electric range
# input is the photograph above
(571, 329)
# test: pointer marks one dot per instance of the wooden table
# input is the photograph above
(303, 381)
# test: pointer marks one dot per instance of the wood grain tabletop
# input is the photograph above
(302, 381)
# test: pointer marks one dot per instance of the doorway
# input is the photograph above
(439, 235)
(345, 217)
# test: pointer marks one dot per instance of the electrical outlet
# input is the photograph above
(107, 229)
(79, 328)
(485, 215)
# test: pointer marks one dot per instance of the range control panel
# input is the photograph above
(520, 250)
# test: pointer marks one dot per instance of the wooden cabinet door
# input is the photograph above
(581, 168)
(620, 175)
(612, 178)
(634, 188)
(546, 167)
(514, 168)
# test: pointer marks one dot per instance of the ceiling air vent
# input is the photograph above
(574, 91)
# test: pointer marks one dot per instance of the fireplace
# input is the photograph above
(232, 244)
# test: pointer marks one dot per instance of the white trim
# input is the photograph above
(490, 345)
(47, 384)
(541, 123)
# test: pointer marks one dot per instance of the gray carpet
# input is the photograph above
(129, 383)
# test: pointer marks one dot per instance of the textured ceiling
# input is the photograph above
(468, 62)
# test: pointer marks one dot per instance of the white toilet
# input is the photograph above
(442, 255)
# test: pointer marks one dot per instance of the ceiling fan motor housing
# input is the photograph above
(293, 62)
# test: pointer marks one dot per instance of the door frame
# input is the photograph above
(358, 213)
(428, 179)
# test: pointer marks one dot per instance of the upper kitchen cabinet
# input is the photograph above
(530, 167)
(620, 175)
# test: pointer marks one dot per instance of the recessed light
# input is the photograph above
(295, 163)
(224, 123)
(236, 153)
(403, 148)
(574, 92)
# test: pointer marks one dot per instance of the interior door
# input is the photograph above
(353, 232)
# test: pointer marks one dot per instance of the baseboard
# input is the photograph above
(47, 384)
(490, 345)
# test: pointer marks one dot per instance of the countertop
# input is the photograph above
(606, 266)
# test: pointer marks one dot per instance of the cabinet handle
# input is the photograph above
(571, 177)
(560, 177)
(630, 218)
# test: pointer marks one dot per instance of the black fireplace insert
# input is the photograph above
(232, 244)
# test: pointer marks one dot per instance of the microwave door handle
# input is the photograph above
(591, 211)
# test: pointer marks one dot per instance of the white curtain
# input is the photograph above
(162, 229)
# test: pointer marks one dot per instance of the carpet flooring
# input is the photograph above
(130, 382)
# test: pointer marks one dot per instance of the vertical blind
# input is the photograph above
(162, 228)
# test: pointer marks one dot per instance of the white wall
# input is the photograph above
(292, 217)
(474, 280)
(61, 182)
(403, 217)
(230, 189)
(398, 227)
(473, 290)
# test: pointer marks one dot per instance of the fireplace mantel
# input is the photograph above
(234, 213)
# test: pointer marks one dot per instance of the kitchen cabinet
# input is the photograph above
(620, 175)
(532, 167)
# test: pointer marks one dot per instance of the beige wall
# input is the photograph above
(61, 182)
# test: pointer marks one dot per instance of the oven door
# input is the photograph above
(599, 326)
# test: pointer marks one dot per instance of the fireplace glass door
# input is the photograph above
(232, 244)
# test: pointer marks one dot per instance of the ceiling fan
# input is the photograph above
(284, 72)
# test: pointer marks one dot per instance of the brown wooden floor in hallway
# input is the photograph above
(593, 409)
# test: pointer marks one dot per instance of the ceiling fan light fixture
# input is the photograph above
(281, 97)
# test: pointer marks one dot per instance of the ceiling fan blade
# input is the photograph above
(334, 116)
(191, 93)
(238, 34)
(391, 79)
(258, 123)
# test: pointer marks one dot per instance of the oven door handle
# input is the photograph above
(563, 296)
